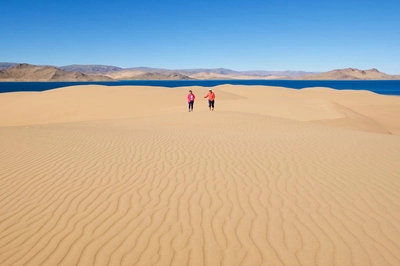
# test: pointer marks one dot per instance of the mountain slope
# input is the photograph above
(26, 72)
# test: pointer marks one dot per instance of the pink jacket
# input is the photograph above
(191, 97)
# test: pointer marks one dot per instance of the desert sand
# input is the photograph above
(96, 175)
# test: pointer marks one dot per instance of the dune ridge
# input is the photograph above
(110, 176)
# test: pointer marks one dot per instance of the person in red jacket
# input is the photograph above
(211, 99)
(190, 99)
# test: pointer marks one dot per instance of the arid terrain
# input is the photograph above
(97, 175)
(25, 72)
(351, 74)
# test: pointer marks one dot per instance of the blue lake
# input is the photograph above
(388, 87)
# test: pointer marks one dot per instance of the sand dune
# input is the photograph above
(126, 176)
(359, 110)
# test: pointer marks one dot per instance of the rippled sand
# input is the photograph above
(126, 176)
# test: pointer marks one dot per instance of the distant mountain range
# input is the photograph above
(90, 69)
(146, 73)
(26, 72)
(351, 74)
(159, 76)
(201, 73)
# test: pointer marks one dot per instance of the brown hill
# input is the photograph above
(351, 74)
(26, 72)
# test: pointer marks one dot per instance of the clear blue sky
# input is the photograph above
(313, 35)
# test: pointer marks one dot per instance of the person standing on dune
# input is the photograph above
(191, 98)
(211, 98)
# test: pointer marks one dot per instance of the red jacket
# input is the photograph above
(210, 96)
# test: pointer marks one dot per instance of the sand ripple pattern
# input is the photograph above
(204, 188)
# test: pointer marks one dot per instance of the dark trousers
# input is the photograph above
(190, 104)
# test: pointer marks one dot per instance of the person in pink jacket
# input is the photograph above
(190, 99)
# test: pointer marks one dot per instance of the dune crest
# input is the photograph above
(359, 110)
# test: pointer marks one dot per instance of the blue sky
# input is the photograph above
(312, 35)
